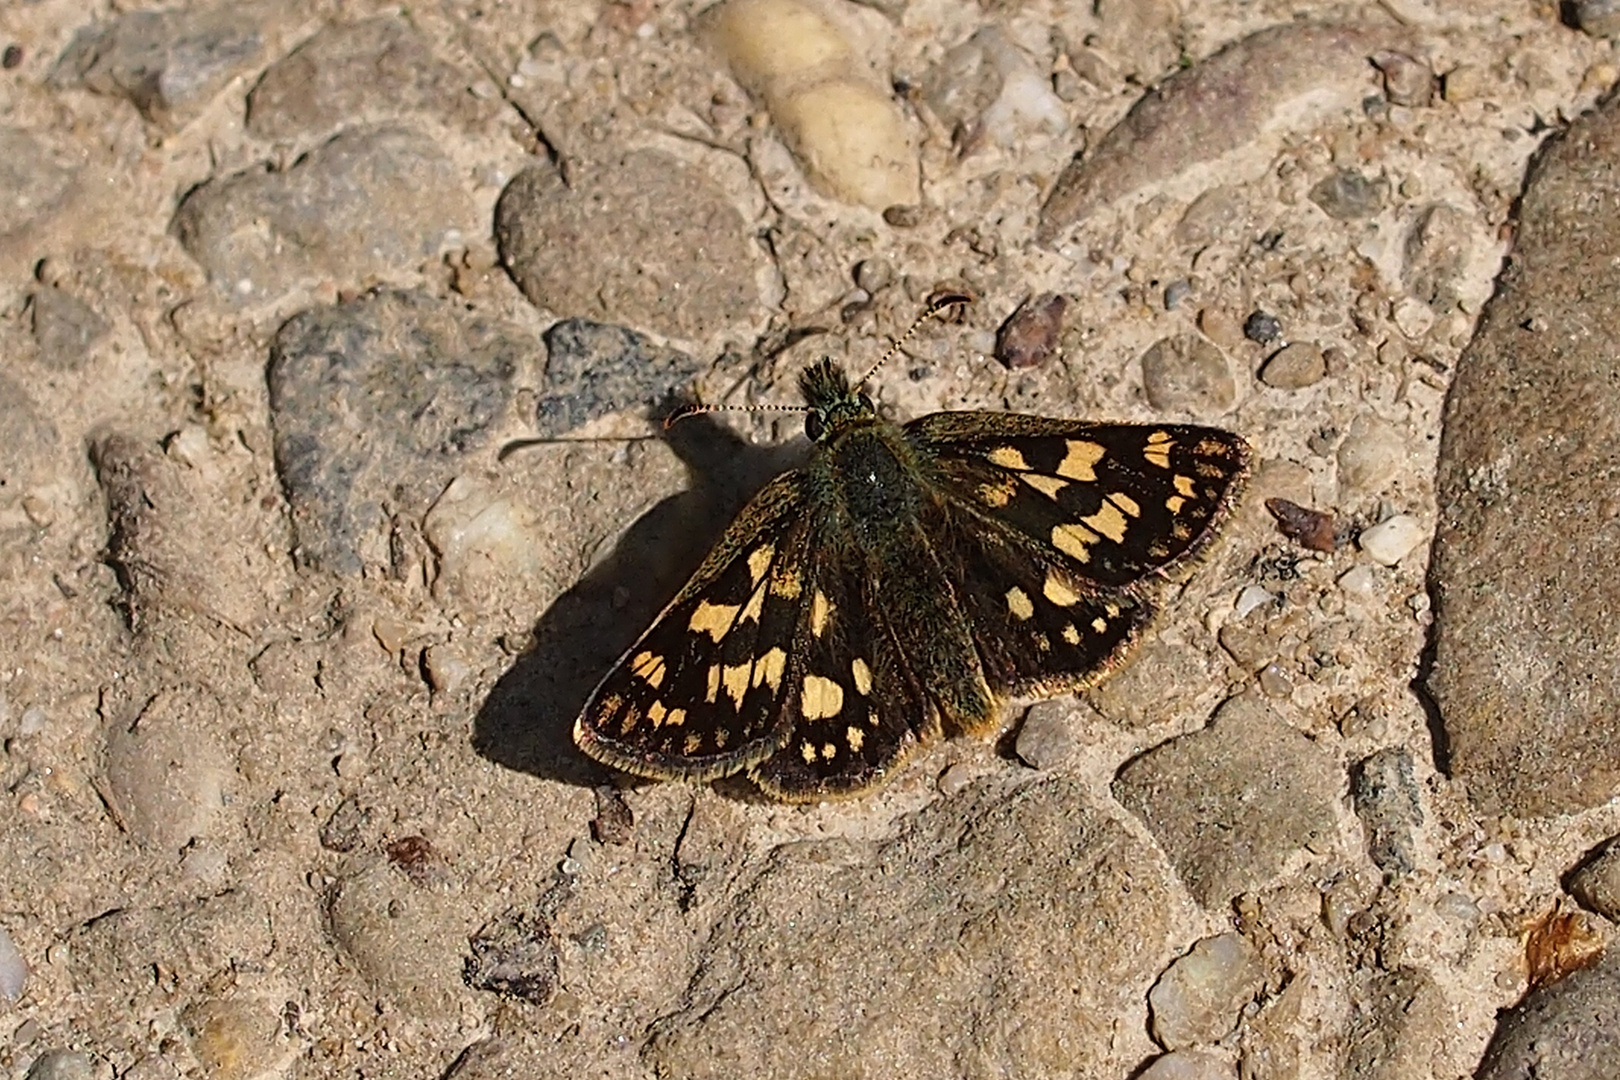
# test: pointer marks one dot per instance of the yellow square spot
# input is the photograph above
(736, 681)
(1074, 541)
(820, 698)
(1046, 485)
(786, 584)
(714, 684)
(648, 667)
(996, 495)
(769, 668)
(862, 676)
(656, 713)
(759, 561)
(1174, 504)
(1070, 634)
(1109, 522)
(1081, 460)
(1126, 503)
(1008, 458)
(855, 737)
(712, 619)
(1184, 485)
(1059, 593)
(1019, 603)
(755, 605)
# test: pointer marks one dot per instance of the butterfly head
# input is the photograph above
(831, 403)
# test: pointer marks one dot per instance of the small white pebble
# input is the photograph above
(1252, 597)
(33, 721)
(1390, 541)
(1360, 580)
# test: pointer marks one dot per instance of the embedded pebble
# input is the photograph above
(407, 941)
(1413, 317)
(65, 1065)
(1186, 1065)
(1220, 327)
(1047, 738)
(446, 668)
(1220, 214)
(1360, 580)
(1434, 270)
(483, 533)
(986, 90)
(846, 132)
(956, 778)
(167, 771)
(1348, 195)
(13, 969)
(378, 402)
(1274, 682)
(669, 251)
(1205, 111)
(35, 177)
(1596, 884)
(1394, 539)
(1250, 599)
(1599, 18)
(1370, 455)
(515, 956)
(1199, 997)
(1295, 366)
(1188, 374)
(369, 203)
(1029, 337)
(234, 1038)
(27, 438)
(593, 369)
(1407, 80)
(65, 328)
(168, 64)
(1385, 796)
(1262, 327)
(360, 72)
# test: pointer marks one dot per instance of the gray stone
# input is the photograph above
(1369, 456)
(1596, 883)
(65, 1065)
(168, 64)
(1348, 195)
(642, 239)
(1230, 804)
(1567, 1031)
(1436, 255)
(593, 369)
(1210, 109)
(361, 72)
(369, 203)
(1295, 366)
(1187, 373)
(65, 328)
(947, 943)
(1528, 488)
(1186, 1065)
(1046, 739)
(1600, 18)
(378, 403)
(1401, 1028)
(34, 179)
(1386, 800)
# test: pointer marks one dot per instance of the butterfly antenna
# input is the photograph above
(939, 305)
(695, 409)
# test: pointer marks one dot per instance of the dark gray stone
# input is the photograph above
(376, 404)
(1596, 883)
(368, 204)
(1348, 195)
(936, 949)
(643, 239)
(1567, 1031)
(168, 64)
(1386, 800)
(1229, 804)
(1523, 575)
(593, 369)
(361, 72)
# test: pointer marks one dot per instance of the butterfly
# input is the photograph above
(902, 584)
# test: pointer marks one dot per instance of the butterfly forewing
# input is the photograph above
(1115, 502)
(700, 695)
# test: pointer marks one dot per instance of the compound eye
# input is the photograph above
(813, 426)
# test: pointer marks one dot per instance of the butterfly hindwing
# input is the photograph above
(853, 708)
(1113, 502)
(700, 695)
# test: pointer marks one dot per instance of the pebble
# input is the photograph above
(1413, 317)
(66, 1065)
(234, 1038)
(65, 328)
(670, 254)
(1385, 797)
(847, 134)
(1262, 327)
(1596, 883)
(1186, 1065)
(1599, 18)
(1471, 82)
(1047, 738)
(1394, 539)
(370, 203)
(1251, 598)
(13, 969)
(1360, 580)
(1029, 337)
(168, 64)
(446, 668)
(1295, 366)
(1407, 80)
(1221, 328)
(36, 179)
(1370, 455)
(406, 941)
(514, 956)
(167, 771)
(593, 369)
(1274, 682)
(986, 91)
(1199, 997)
(956, 778)
(1347, 195)
(1186, 373)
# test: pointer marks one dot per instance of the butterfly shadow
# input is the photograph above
(527, 722)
